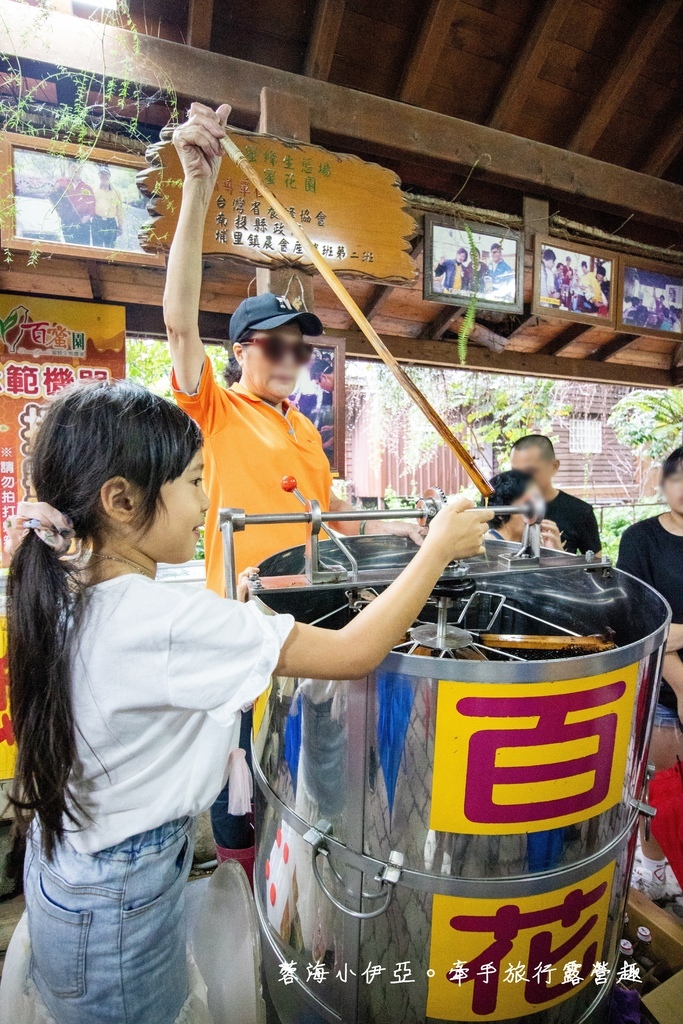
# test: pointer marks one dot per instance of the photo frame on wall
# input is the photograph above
(449, 274)
(320, 397)
(575, 282)
(650, 297)
(58, 201)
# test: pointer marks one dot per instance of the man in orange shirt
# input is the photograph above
(253, 437)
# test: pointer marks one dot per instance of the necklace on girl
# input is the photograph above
(125, 561)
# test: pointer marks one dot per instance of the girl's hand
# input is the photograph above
(243, 583)
(550, 535)
(457, 532)
(197, 142)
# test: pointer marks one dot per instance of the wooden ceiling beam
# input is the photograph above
(379, 295)
(561, 340)
(445, 353)
(649, 29)
(531, 321)
(199, 22)
(360, 121)
(612, 347)
(527, 65)
(324, 34)
(442, 322)
(676, 355)
(667, 148)
(424, 59)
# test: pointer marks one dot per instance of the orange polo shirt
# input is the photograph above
(248, 447)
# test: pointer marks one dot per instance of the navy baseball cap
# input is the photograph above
(265, 312)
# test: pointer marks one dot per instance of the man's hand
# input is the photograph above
(396, 528)
(197, 142)
(550, 535)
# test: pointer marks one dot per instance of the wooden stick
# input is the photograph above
(460, 452)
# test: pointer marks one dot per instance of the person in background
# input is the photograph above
(322, 373)
(535, 455)
(549, 286)
(108, 222)
(456, 275)
(515, 488)
(126, 692)
(500, 272)
(74, 201)
(652, 551)
(595, 291)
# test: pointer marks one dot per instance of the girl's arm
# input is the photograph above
(353, 651)
(198, 146)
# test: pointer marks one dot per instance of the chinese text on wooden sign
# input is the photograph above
(353, 211)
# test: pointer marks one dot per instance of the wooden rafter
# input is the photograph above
(379, 295)
(668, 147)
(326, 25)
(676, 355)
(445, 353)
(366, 123)
(381, 292)
(561, 340)
(651, 26)
(531, 321)
(199, 21)
(425, 56)
(442, 322)
(529, 61)
(612, 347)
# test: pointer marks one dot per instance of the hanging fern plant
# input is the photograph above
(467, 322)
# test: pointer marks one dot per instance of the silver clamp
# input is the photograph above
(388, 876)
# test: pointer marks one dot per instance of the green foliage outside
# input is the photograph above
(485, 409)
(650, 422)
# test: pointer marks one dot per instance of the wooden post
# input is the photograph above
(288, 117)
(536, 214)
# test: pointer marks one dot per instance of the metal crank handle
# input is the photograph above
(388, 876)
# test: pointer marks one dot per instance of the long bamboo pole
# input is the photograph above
(444, 431)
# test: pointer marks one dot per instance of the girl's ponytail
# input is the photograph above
(90, 434)
(40, 612)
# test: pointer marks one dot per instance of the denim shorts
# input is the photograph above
(666, 716)
(108, 932)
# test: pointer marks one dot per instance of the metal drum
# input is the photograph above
(451, 838)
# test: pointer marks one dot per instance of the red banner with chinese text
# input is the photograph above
(45, 345)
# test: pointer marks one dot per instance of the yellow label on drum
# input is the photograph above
(8, 747)
(525, 758)
(260, 705)
(502, 958)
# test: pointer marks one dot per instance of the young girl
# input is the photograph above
(125, 693)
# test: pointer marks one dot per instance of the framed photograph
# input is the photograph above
(319, 395)
(59, 201)
(574, 282)
(449, 272)
(650, 297)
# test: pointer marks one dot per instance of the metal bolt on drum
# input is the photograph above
(471, 803)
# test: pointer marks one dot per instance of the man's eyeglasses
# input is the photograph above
(275, 347)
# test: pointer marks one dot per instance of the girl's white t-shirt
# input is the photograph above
(159, 674)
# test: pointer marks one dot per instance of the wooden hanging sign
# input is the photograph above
(353, 211)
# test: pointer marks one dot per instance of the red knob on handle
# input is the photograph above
(288, 484)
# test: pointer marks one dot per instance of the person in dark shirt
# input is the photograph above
(535, 455)
(652, 550)
(515, 488)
